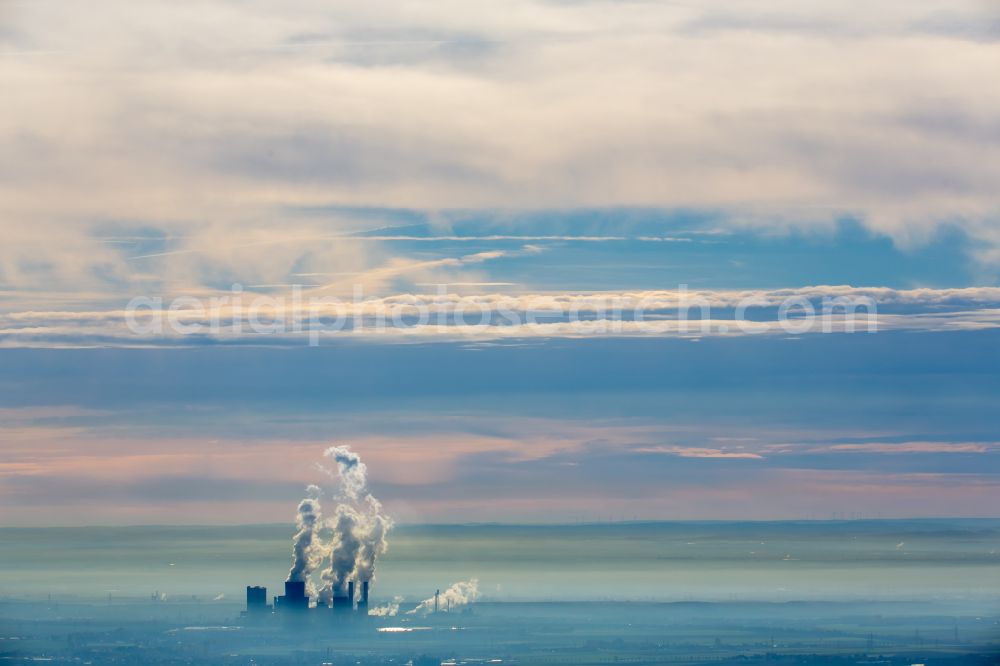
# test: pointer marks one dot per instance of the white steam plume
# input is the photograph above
(390, 609)
(459, 594)
(307, 551)
(373, 542)
(344, 551)
(359, 528)
(353, 473)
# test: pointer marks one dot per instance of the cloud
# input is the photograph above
(509, 237)
(375, 278)
(289, 318)
(455, 464)
(914, 447)
(211, 124)
(697, 452)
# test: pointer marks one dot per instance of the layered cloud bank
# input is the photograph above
(309, 317)
(687, 470)
(190, 133)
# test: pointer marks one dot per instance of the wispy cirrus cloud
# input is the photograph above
(915, 447)
(699, 452)
(757, 451)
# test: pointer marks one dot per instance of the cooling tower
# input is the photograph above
(256, 599)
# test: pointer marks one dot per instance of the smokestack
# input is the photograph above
(363, 601)
(437, 593)
(350, 593)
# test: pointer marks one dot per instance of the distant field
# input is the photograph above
(521, 633)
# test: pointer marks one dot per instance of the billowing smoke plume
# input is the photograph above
(359, 529)
(345, 550)
(307, 551)
(374, 541)
(390, 609)
(353, 473)
(459, 594)
(350, 539)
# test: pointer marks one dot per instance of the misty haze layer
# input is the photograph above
(846, 560)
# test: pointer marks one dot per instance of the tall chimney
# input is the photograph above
(363, 601)
(437, 593)
(350, 594)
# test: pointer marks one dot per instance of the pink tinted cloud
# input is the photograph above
(426, 468)
(698, 452)
(916, 447)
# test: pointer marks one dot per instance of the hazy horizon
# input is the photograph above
(665, 561)
(580, 523)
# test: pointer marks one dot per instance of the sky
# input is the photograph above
(462, 238)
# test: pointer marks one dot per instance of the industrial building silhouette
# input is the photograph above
(295, 600)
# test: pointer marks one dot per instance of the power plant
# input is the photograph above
(295, 601)
(339, 550)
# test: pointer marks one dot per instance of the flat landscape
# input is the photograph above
(653, 592)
